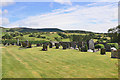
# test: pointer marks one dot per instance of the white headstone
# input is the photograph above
(91, 44)
(90, 50)
(18, 41)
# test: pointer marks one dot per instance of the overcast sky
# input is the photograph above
(89, 16)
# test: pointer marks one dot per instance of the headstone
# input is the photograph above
(29, 45)
(90, 50)
(64, 45)
(108, 48)
(68, 45)
(38, 44)
(119, 44)
(91, 44)
(17, 41)
(118, 53)
(8, 44)
(83, 48)
(103, 51)
(79, 45)
(27, 42)
(44, 47)
(57, 45)
(114, 54)
(24, 44)
(12, 43)
(4, 44)
(73, 45)
(19, 44)
(50, 45)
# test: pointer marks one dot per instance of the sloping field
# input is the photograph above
(56, 63)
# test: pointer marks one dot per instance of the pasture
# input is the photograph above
(56, 63)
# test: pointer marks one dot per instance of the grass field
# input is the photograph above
(56, 63)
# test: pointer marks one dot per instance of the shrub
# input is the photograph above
(86, 48)
(43, 37)
(113, 45)
(31, 35)
(38, 36)
(97, 46)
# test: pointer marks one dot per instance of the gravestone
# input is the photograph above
(4, 44)
(45, 48)
(18, 42)
(115, 53)
(64, 45)
(27, 42)
(12, 43)
(119, 44)
(39, 44)
(73, 45)
(91, 44)
(50, 45)
(118, 53)
(84, 48)
(29, 45)
(24, 44)
(8, 44)
(68, 45)
(108, 48)
(57, 45)
(103, 51)
(79, 45)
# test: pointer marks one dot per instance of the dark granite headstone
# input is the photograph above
(57, 45)
(4, 44)
(8, 44)
(103, 51)
(12, 43)
(19, 44)
(38, 44)
(29, 45)
(64, 45)
(118, 53)
(44, 47)
(24, 44)
(50, 45)
(108, 48)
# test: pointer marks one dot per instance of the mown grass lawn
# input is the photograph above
(56, 63)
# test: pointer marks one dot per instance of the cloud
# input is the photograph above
(66, 2)
(0, 12)
(94, 18)
(6, 2)
(5, 11)
(4, 21)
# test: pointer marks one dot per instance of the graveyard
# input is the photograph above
(56, 63)
(59, 55)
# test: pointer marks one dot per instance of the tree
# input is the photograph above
(7, 36)
(114, 34)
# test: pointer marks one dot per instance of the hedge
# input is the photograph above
(113, 45)
(97, 46)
